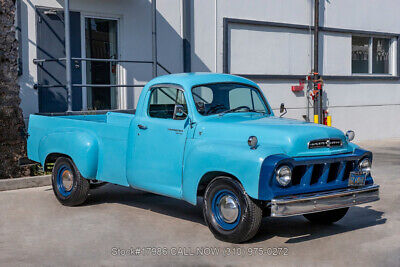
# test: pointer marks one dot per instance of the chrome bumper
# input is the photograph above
(322, 201)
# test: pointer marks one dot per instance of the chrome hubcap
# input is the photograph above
(67, 180)
(228, 208)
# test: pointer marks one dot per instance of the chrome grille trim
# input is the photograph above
(325, 143)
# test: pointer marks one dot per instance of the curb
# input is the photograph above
(26, 182)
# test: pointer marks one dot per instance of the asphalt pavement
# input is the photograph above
(122, 226)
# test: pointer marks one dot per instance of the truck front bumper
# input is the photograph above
(322, 201)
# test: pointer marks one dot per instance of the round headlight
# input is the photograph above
(365, 165)
(284, 175)
(252, 142)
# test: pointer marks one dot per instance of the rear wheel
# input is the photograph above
(69, 187)
(326, 217)
(229, 212)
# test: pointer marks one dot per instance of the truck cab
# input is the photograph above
(212, 136)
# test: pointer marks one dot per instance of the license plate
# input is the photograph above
(357, 178)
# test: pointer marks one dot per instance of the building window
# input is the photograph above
(370, 55)
(360, 54)
(380, 55)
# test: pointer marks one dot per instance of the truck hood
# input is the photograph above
(291, 136)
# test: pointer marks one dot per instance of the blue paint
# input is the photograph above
(269, 187)
(217, 213)
(59, 182)
(170, 157)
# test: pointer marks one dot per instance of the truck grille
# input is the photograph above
(324, 173)
(322, 143)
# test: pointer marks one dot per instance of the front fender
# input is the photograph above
(82, 147)
(236, 158)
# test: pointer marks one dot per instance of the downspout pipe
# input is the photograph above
(186, 30)
(316, 34)
(68, 55)
(318, 108)
(154, 35)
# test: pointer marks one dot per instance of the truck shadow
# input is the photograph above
(145, 200)
(297, 229)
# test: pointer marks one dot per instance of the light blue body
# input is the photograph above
(171, 157)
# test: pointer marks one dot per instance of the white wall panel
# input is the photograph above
(336, 49)
(169, 35)
(369, 123)
(204, 38)
(358, 93)
(269, 50)
(370, 15)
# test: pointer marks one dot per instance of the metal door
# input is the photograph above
(50, 45)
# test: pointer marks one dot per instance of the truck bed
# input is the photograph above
(107, 132)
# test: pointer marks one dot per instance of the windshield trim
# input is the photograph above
(239, 83)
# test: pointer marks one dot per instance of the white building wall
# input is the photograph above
(283, 51)
(135, 41)
(370, 107)
(369, 15)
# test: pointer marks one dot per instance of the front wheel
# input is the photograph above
(326, 217)
(70, 188)
(229, 212)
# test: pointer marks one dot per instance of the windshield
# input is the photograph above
(222, 98)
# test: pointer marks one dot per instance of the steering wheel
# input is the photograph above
(215, 108)
(241, 107)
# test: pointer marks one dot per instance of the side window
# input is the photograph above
(163, 101)
(203, 97)
(244, 96)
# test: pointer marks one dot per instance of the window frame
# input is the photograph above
(393, 60)
(174, 86)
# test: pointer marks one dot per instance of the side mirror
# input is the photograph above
(282, 109)
(179, 112)
(350, 135)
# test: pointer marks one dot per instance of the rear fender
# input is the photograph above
(82, 147)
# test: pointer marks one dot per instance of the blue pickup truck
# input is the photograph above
(212, 137)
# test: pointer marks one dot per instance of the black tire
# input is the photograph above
(80, 186)
(326, 217)
(248, 220)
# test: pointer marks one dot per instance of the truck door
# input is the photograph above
(160, 142)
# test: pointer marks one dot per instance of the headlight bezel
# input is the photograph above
(367, 162)
(281, 172)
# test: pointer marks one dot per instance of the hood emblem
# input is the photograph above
(325, 143)
(328, 143)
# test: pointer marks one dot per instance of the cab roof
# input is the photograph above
(189, 80)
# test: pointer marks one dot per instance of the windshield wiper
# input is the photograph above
(239, 108)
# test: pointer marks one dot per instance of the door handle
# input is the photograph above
(175, 130)
(142, 127)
